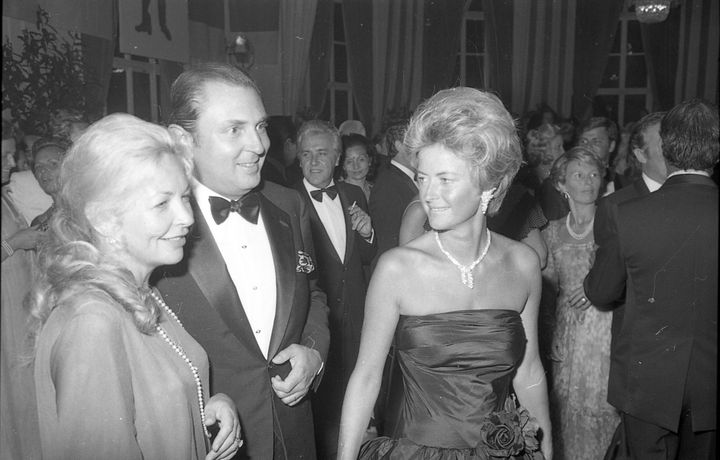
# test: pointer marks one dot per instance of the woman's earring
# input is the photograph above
(485, 198)
(566, 196)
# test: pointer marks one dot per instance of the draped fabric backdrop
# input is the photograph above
(499, 45)
(385, 49)
(358, 26)
(697, 70)
(297, 18)
(397, 57)
(542, 54)
(443, 24)
(322, 42)
(595, 26)
(660, 41)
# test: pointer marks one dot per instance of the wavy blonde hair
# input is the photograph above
(96, 178)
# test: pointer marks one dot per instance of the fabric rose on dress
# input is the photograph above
(501, 434)
(510, 432)
(304, 263)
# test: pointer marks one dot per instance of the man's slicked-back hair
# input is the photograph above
(186, 93)
(323, 127)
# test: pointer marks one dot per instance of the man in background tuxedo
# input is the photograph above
(394, 189)
(661, 252)
(247, 290)
(645, 145)
(343, 239)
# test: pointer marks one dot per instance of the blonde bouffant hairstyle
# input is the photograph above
(475, 126)
(97, 179)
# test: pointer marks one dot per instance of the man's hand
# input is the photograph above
(305, 363)
(360, 221)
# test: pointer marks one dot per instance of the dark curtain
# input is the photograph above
(595, 26)
(443, 21)
(320, 55)
(499, 36)
(357, 19)
(661, 41)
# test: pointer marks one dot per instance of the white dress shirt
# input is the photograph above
(245, 247)
(332, 217)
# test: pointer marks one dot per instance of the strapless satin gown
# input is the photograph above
(457, 368)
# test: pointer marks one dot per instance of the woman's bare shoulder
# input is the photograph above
(516, 254)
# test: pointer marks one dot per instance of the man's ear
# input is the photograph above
(640, 155)
(612, 146)
(181, 135)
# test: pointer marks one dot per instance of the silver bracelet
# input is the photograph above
(8, 249)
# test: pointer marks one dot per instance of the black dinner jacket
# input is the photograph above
(661, 251)
(345, 286)
(601, 233)
(200, 291)
(392, 192)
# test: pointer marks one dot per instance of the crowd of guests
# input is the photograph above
(233, 285)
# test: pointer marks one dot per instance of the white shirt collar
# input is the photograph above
(651, 183)
(409, 172)
(697, 172)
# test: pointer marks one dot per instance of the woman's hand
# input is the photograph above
(577, 299)
(221, 409)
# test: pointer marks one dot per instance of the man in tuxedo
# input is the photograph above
(247, 288)
(343, 239)
(645, 144)
(394, 189)
(661, 252)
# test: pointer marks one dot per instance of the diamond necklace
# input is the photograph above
(179, 350)
(465, 270)
(579, 236)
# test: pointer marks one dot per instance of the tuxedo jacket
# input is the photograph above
(661, 251)
(392, 192)
(601, 233)
(202, 294)
(345, 286)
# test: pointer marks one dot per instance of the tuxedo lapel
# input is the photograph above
(317, 223)
(280, 235)
(210, 273)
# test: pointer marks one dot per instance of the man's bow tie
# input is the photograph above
(318, 194)
(248, 207)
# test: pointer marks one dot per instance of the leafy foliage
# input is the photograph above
(43, 77)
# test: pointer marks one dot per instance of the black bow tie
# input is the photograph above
(248, 207)
(317, 194)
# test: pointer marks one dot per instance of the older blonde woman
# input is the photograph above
(117, 376)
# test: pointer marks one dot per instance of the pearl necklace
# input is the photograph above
(465, 270)
(179, 350)
(579, 236)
